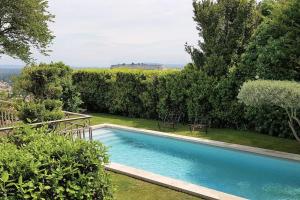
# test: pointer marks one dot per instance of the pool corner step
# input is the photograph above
(174, 184)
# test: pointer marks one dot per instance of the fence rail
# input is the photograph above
(74, 124)
(8, 114)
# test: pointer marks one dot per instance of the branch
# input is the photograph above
(294, 131)
(292, 116)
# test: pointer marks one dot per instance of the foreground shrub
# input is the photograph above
(34, 165)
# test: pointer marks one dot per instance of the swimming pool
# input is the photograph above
(235, 172)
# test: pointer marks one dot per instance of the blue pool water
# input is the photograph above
(243, 174)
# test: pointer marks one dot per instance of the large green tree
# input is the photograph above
(23, 26)
(274, 50)
(225, 27)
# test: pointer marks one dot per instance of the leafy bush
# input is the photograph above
(270, 120)
(49, 166)
(49, 81)
(40, 111)
(70, 96)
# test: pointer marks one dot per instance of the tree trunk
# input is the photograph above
(293, 117)
(294, 131)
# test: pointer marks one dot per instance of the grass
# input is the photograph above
(225, 135)
(130, 189)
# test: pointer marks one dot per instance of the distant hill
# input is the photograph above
(9, 71)
(147, 66)
(138, 66)
(11, 66)
(176, 66)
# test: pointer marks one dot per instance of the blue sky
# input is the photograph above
(98, 33)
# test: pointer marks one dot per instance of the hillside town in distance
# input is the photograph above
(138, 66)
(5, 87)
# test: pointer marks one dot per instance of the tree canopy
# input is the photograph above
(23, 26)
(284, 94)
(43, 81)
(225, 27)
(49, 81)
(274, 50)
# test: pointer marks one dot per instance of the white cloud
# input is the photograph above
(102, 32)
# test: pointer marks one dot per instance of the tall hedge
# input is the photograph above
(152, 94)
(134, 93)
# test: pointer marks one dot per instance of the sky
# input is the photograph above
(99, 33)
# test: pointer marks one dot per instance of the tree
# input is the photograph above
(225, 27)
(43, 81)
(49, 81)
(284, 94)
(274, 50)
(23, 25)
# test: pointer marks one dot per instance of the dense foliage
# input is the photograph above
(48, 81)
(274, 49)
(126, 92)
(245, 40)
(49, 166)
(40, 111)
(23, 25)
(152, 94)
(225, 27)
(284, 94)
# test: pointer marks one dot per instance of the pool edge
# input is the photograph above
(171, 183)
(244, 148)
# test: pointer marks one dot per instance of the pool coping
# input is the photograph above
(182, 186)
(171, 183)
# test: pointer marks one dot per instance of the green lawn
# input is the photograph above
(129, 189)
(132, 189)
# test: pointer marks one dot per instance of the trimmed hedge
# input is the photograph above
(151, 94)
(131, 93)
